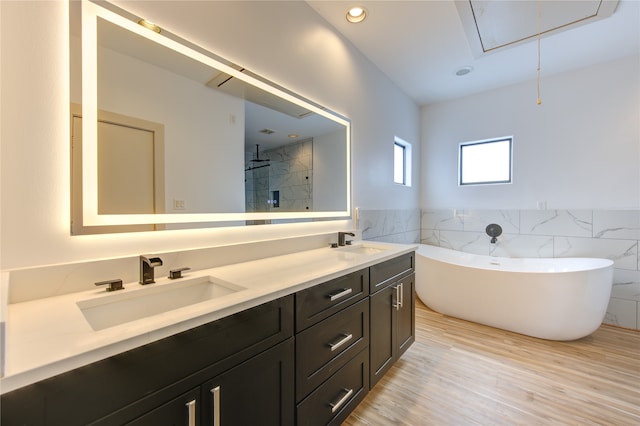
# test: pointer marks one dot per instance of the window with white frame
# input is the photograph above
(485, 162)
(401, 162)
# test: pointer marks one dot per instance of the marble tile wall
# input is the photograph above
(391, 226)
(292, 175)
(611, 234)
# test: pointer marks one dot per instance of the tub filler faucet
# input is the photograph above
(494, 231)
(147, 263)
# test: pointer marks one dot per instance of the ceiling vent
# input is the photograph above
(236, 87)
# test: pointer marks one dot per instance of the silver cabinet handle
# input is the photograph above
(399, 296)
(191, 406)
(335, 406)
(397, 303)
(341, 293)
(340, 342)
(216, 405)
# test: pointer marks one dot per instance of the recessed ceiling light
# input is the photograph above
(292, 135)
(356, 14)
(464, 71)
(150, 25)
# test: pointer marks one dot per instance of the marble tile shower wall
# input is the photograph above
(289, 171)
(292, 175)
(611, 234)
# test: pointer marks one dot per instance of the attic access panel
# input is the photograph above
(494, 24)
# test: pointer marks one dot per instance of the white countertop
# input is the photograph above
(49, 336)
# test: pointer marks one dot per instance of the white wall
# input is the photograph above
(329, 163)
(580, 149)
(286, 42)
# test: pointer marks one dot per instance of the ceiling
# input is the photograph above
(420, 44)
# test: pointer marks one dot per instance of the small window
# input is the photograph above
(485, 162)
(401, 162)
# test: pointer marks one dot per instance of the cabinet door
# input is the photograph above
(382, 334)
(181, 411)
(406, 324)
(392, 325)
(259, 391)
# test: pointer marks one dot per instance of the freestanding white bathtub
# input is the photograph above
(555, 299)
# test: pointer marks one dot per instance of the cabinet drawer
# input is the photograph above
(332, 402)
(317, 303)
(384, 273)
(328, 345)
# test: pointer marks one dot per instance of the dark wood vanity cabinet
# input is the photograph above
(392, 313)
(332, 342)
(256, 392)
(344, 346)
(153, 383)
(307, 359)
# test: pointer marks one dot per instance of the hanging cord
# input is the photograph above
(539, 19)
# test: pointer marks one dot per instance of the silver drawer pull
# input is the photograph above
(335, 406)
(216, 405)
(340, 294)
(340, 342)
(191, 406)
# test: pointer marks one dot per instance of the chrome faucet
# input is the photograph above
(147, 263)
(341, 237)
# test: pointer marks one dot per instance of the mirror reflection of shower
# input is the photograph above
(279, 178)
(257, 162)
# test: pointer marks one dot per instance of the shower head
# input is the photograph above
(258, 159)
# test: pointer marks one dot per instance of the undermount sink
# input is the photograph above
(125, 306)
(364, 248)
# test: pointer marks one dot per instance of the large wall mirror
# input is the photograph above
(166, 135)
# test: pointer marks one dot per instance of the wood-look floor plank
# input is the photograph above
(462, 373)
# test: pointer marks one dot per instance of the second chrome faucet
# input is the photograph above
(147, 263)
(342, 239)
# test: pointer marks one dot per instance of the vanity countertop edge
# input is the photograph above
(50, 336)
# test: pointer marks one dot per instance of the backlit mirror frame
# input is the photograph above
(91, 12)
